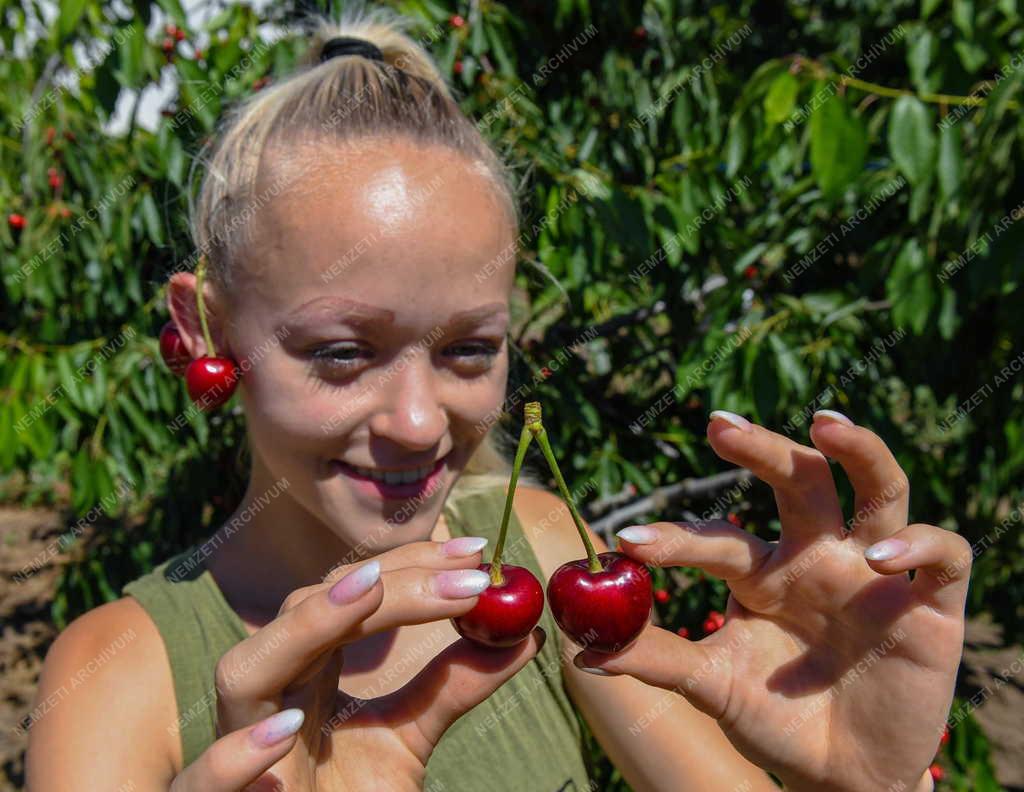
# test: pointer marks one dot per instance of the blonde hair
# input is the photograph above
(342, 99)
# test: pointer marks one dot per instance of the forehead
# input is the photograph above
(399, 224)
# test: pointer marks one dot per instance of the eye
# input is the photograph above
(340, 358)
(473, 353)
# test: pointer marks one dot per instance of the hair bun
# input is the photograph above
(350, 45)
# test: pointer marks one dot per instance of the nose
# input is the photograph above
(411, 414)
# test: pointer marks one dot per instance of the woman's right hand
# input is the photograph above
(326, 739)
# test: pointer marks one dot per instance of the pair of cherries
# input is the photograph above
(211, 379)
(602, 602)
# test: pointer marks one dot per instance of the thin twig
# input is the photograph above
(661, 498)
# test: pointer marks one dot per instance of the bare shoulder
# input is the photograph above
(549, 528)
(104, 706)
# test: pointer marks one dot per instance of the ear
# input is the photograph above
(181, 302)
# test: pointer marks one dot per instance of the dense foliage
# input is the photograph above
(763, 207)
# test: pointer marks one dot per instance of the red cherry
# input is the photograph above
(51, 133)
(546, 372)
(457, 68)
(661, 596)
(945, 735)
(54, 177)
(506, 614)
(937, 772)
(682, 632)
(750, 272)
(603, 611)
(168, 45)
(172, 349)
(210, 381)
(179, 34)
(16, 221)
(170, 29)
(456, 21)
(734, 519)
(713, 622)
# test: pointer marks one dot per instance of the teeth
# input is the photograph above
(394, 477)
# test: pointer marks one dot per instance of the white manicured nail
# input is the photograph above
(638, 534)
(736, 420)
(886, 550)
(463, 546)
(834, 416)
(461, 583)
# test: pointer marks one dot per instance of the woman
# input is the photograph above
(361, 238)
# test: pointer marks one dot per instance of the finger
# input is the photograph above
(251, 675)
(241, 757)
(458, 679)
(665, 660)
(716, 546)
(800, 476)
(942, 560)
(460, 552)
(880, 485)
(333, 617)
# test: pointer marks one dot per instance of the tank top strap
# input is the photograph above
(197, 626)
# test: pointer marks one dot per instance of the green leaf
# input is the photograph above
(912, 139)
(736, 146)
(839, 145)
(151, 217)
(789, 365)
(951, 161)
(921, 50)
(70, 12)
(781, 98)
(963, 17)
(910, 288)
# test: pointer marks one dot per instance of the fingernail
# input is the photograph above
(277, 727)
(886, 550)
(638, 534)
(355, 583)
(578, 662)
(463, 546)
(835, 416)
(461, 583)
(736, 420)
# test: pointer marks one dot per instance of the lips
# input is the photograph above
(401, 483)
(394, 476)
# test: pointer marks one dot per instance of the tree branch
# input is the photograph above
(663, 497)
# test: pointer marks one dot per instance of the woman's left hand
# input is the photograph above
(833, 669)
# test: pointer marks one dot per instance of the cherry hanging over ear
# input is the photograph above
(172, 349)
(211, 379)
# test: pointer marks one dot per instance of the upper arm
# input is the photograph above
(104, 707)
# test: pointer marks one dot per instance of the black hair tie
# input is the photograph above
(347, 45)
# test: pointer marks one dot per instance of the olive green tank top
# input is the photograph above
(526, 736)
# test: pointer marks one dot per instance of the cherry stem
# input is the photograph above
(200, 277)
(533, 423)
(524, 441)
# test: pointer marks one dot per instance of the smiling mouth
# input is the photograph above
(394, 476)
(408, 475)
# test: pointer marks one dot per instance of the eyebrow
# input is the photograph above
(360, 314)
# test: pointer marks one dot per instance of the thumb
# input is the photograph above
(699, 671)
(458, 679)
